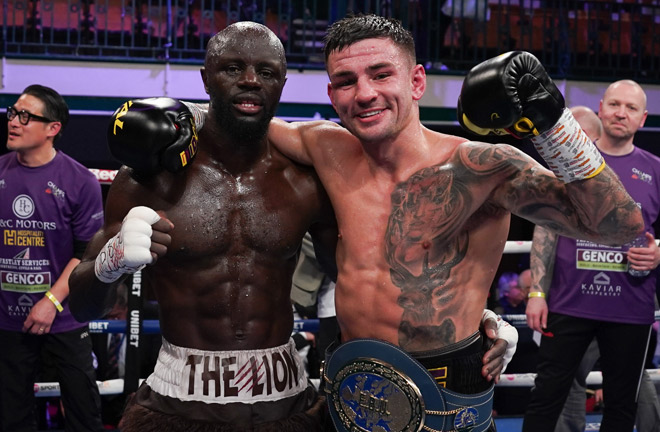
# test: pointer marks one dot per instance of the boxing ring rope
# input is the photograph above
(116, 386)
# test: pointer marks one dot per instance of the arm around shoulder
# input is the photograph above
(297, 140)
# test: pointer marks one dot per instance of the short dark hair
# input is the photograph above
(55, 107)
(352, 29)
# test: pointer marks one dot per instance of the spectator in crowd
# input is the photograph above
(572, 418)
(592, 296)
(513, 289)
(51, 206)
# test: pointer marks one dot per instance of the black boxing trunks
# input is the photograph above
(226, 390)
(372, 385)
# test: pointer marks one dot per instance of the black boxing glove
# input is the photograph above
(513, 94)
(151, 134)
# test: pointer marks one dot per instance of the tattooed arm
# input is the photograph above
(597, 209)
(542, 264)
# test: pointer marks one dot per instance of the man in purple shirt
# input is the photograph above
(50, 206)
(591, 288)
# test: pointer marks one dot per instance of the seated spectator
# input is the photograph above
(513, 296)
(513, 289)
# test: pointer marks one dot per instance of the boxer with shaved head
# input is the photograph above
(222, 233)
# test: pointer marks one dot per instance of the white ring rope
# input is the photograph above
(517, 246)
(520, 246)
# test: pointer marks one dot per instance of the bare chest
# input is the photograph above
(217, 214)
(426, 217)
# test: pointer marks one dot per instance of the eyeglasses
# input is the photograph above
(24, 117)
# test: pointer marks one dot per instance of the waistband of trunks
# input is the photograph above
(457, 366)
(222, 377)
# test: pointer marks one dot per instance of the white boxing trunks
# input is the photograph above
(222, 377)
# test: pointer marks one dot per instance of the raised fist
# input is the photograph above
(509, 94)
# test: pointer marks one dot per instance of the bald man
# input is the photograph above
(232, 224)
(590, 291)
(589, 121)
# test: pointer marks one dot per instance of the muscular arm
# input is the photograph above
(297, 139)
(597, 209)
(542, 263)
(90, 298)
(542, 259)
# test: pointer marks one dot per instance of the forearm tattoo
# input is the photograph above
(542, 258)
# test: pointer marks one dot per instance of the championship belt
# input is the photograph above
(374, 386)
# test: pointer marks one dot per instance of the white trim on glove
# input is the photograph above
(506, 332)
(129, 250)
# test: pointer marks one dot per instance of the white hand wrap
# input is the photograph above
(128, 251)
(198, 113)
(570, 154)
(506, 332)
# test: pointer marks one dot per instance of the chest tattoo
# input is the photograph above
(426, 239)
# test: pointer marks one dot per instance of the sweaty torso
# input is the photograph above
(226, 278)
(416, 255)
